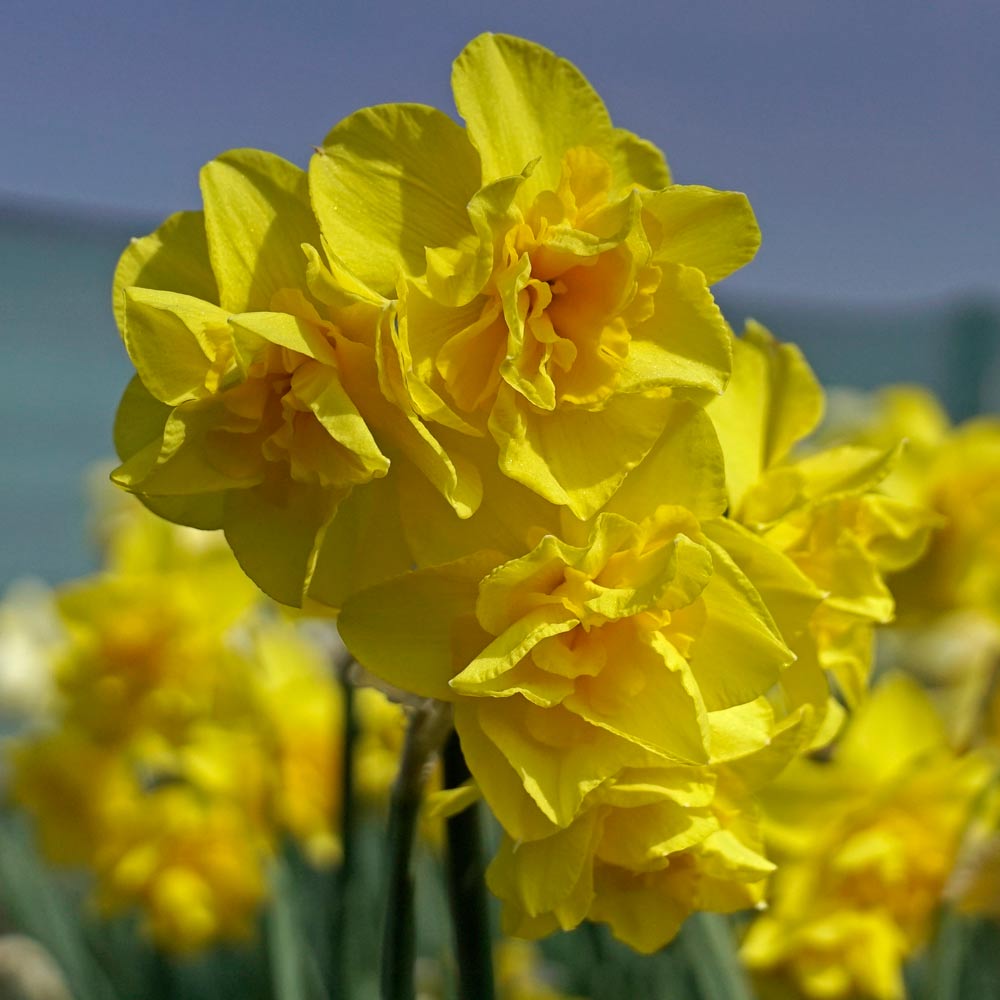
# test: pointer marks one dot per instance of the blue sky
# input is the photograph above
(865, 133)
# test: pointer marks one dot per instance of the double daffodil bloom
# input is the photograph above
(956, 472)
(865, 843)
(551, 284)
(190, 736)
(252, 364)
(822, 510)
(601, 691)
(649, 848)
(191, 864)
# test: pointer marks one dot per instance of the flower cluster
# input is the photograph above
(948, 633)
(865, 843)
(188, 734)
(955, 471)
(468, 388)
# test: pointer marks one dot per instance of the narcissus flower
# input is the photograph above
(603, 692)
(191, 865)
(550, 280)
(948, 632)
(244, 413)
(533, 281)
(191, 732)
(956, 472)
(647, 849)
(822, 510)
(864, 843)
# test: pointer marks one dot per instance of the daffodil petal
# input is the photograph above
(363, 545)
(686, 343)
(684, 469)
(389, 182)
(499, 782)
(273, 530)
(739, 653)
(558, 781)
(521, 102)
(640, 838)
(257, 217)
(544, 875)
(637, 161)
(180, 462)
(139, 424)
(174, 258)
(772, 401)
(172, 340)
(509, 648)
(645, 913)
(432, 627)
(575, 457)
(668, 691)
(714, 231)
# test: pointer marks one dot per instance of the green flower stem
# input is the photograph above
(341, 910)
(470, 915)
(428, 727)
(710, 949)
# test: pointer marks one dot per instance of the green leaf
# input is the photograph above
(37, 907)
(294, 970)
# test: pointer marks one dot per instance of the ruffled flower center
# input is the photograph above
(571, 275)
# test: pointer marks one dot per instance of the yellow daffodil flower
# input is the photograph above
(956, 472)
(190, 732)
(865, 843)
(193, 867)
(244, 413)
(822, 510)
(949, 600)
(550, 280)
(573, 657)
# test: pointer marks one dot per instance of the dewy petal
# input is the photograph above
(172, 340)
(714, 231)
(389, 182)
(174, 258)
(257, 217)
(521, 102)
(575, 457)
(419, 646)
